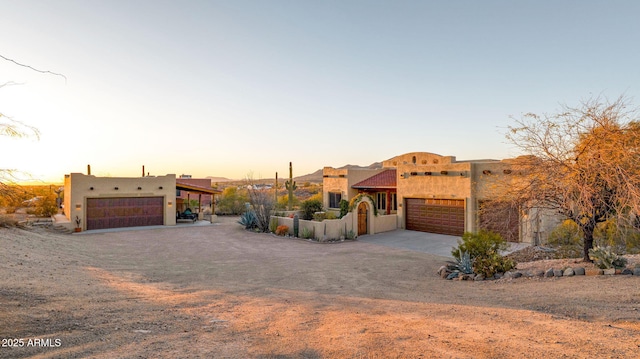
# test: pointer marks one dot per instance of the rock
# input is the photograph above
(498, 275)
(610, 271)
(557, 272)
(508, 275)
(568, 272)
(627, 271)
(452, 275)
(578, 271)
(548, 273)
(636, 271)
(594, 271)
(538, 273)
(466, 276)
(516, 275)
(479, 277)
(443, 272)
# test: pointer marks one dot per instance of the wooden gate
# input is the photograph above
(362, 218)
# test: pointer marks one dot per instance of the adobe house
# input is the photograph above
(92, 202)
(426, 192)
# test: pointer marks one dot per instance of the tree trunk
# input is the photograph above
(588, 241)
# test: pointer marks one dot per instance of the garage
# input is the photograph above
(105, 213)
(444, 216)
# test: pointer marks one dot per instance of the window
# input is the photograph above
(334, 199)
(381, 201)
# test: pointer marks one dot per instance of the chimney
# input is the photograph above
(88, 170)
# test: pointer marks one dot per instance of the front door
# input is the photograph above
(362, 218)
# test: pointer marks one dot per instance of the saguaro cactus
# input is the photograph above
(290, 185)
(296, 225)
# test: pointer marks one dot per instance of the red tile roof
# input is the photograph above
(385, 179)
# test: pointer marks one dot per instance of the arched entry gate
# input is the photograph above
(363, 211)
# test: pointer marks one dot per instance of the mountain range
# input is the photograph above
(314, 177)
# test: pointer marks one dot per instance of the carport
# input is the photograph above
(192, 189)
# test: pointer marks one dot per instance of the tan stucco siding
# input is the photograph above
(342, 180)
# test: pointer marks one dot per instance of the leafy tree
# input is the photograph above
(581, 163)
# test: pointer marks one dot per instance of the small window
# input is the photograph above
(414, 160)
(334, 199)
(381, 201)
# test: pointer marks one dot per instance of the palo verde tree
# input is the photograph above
(583, 163)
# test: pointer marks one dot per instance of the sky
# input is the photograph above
(240, 88)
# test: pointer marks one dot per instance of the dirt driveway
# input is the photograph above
(221, 292)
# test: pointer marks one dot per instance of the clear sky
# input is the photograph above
(229, 88)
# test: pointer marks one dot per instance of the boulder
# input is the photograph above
(627, 271)
(578, 271)
(568, 272)
(478, 277)
(548, 273)
(636, 271)
(557, 272)
(537, 273)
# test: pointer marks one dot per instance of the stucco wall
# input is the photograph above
(78, 187)
(341, 180)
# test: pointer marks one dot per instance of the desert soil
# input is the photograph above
(221, 292)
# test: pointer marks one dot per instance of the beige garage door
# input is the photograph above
(444, 216)
(124, 212)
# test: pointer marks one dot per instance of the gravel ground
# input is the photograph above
(219, 291)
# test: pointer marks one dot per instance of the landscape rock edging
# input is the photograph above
(445, 273)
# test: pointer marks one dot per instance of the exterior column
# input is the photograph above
(388, 201)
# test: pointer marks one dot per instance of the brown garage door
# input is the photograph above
(124, 212)
(444, 216)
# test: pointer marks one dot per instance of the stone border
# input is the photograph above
(445, 273)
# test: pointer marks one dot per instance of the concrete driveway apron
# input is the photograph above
(433, 243)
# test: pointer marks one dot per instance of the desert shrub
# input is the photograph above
(621, 238)
(46, 206)
(273, 225)
(484, 249)
(283, 202)
(232, 201)
(566, 233)
(249, 220)
(330, 215)
(319, 216)
(344, 207)
(306, 233)
(282, 230)
(309, 207)
(605, 258)
(7, 221)
(351, 234)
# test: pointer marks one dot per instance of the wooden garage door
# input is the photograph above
(444, 216)
(124, 212)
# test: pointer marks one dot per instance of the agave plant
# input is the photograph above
(248, 219)
(462, 265)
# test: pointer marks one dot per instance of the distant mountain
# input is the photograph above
(219, 179)
(317, 175)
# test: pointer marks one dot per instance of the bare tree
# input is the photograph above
(16, 129)
(582, 163)
(262, 204)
